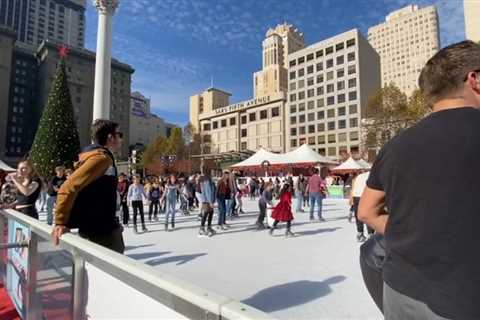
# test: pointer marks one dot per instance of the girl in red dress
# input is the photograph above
(283, 210)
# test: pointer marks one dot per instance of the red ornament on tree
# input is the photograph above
(63, 51)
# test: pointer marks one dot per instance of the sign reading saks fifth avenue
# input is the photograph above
(243, 104)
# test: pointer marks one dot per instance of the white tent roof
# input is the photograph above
(5, 167)
(303, 154)
(364, 164)
(349, 165)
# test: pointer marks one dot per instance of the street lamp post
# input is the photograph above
(103, 62)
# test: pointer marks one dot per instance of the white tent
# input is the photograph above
(5, 167)
(305, 154)
(259, 157)
(364, 164)
(349, 165)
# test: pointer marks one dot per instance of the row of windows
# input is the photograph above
(324, 139)
(320, 127)
(340, 60)
(352, 83)
(263, 114)
(341, 111)
(341, 98)
(320, 53)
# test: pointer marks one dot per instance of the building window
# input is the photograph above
(244, 119)
(331, 113)
(340, 60)
(310, 105)
(301, 84)
(320, 66)
(329, 63)
(301, 107)
(244, 133)
(293, 131)
(301, 95)
(353, 136)
(293, 142)
(215, 124)
(301, 72)
(320, 115)
(233, 121)
(244, 145)
(292, 75)
(351, 69)
(293, 63)
(293, 86)
(353, 123)
(320, 103)
(310, 81)
(310, 93)
(310, 57)
(352, 83)
(275, 112)
(339, 46)
(311, 116)
(251, 117)
(311, 128)
(341, 98)
(320, 91)
(331, 125)
(329, 50)
(301, 60)
(330, 88)
(319, 53)
(352, 109)
(293, 97)
(331, 138)
(351, 56)
(340, 85)
(330, 100)
(293, 108)
(224, 123)
(342, 124)
(320, 78)
(341, 111)
(352, 95)
(321, 139)
(330, 75)
(342, 137)
(263, 114)
(340, 73)
(301, 130)
(350, 43)
(301, 118)
(310, 69)
(206, 126)
(293, 120)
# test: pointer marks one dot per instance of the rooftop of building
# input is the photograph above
(218, 90)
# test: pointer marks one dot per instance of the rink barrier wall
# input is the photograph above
(187, 300)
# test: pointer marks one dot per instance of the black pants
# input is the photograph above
(126, 214)
(360, 224)
(112, 241)
(289, 224)
(29, 211)
(263, 211)
(153, 208)
(137, 206)
(207, 214)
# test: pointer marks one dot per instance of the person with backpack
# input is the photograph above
(87, 200)
(154, 196)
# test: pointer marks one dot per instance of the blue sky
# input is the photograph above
(176, 46)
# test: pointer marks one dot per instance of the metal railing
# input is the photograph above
(178, 296)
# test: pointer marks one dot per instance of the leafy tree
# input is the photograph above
(56, 141)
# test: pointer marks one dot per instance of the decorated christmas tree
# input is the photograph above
(56, 141)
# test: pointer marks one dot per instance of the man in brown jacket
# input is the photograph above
(88, 199)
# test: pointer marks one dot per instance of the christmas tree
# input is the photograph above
(56, 141)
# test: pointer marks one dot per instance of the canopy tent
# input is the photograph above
(5, 167)
(303, 155)
(364, 164)
(348, 166)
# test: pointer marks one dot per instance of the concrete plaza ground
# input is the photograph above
(313, 276)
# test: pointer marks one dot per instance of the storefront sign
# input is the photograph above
(243, 104)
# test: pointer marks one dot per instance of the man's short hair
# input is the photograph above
(59, 168)
(444, 74)
(100, 130)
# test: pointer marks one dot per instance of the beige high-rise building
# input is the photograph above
(471, 9)
(405, 41)
(330, 83)
(207, 101)
(278, 44)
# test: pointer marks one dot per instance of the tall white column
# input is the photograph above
(101, 96)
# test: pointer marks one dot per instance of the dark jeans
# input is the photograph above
(289, 224)
(137, 206)
(360, 224)
(397, 306)
(263, 211)
(126, 214)
(222, 209)
(153, 208)
(112, 241)
(207, 213)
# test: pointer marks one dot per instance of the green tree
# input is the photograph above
(154, 150)
(176, 143)
(418, 107)
(56, 141)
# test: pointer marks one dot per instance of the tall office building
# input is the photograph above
(471, 9)
(37, 20)
(207, 101)
(330, 83)
(7, 45)
(405, 42)
(278, 44)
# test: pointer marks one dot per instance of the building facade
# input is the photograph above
(205, 102)
(471, 9)
(330, 83)
(405, 41)
(144, 125)
(7, 45)
(37, 20)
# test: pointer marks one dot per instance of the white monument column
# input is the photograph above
(101, 96)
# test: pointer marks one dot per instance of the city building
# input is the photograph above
(471, 9)
(144, 125)
(26, 76)
(405, 41)
(256, 123)
(330, 83)
(37, 20)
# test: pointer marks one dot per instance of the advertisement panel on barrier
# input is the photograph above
(17, 267)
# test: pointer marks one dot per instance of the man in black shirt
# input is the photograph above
(421, 194)
(53, 187)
